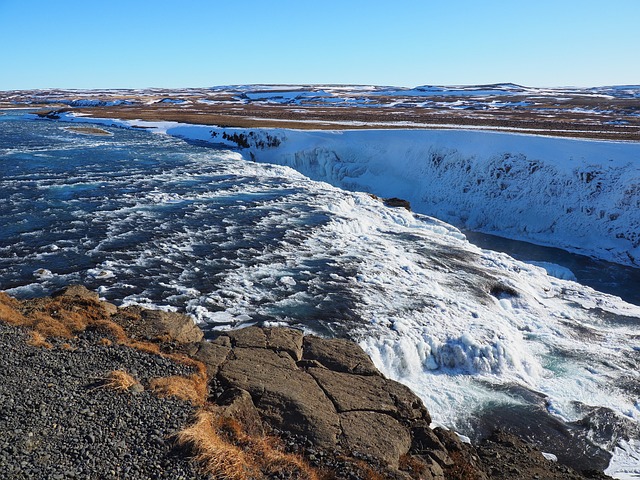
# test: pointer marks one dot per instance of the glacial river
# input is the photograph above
(484, 339)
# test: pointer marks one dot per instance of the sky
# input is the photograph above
(202, 43)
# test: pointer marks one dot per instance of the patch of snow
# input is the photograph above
(555, 270)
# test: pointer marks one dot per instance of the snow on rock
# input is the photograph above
(555, 270)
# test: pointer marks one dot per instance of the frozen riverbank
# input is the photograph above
(579, 195)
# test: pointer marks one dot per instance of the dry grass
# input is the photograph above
(9, 310)
(218, 458)
(225, 451)
(51, 317)
(221, 445)
(192, 388)
(119, 380)
(64, 317)
(36, 339)
(413, 465)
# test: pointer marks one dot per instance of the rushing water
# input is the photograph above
(601, 275)
(483, 339)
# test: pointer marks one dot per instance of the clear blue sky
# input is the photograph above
(199, 43)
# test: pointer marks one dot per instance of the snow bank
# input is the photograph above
(579, 195)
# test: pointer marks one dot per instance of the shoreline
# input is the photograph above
(237, 361)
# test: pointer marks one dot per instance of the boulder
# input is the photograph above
(277, 339)
(237, 404)
(339, 355)
(397, 202)
(286, 397)
(286, 340)
(250, 337)
(211, 354)
(375, 435)
(351, 392)
(176, 326)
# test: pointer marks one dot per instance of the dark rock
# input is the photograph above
(212, 355)
(237, 404)
(376, 435)
(376, 393)
(286, 397)
(278, 339)
(250, 337)
(339, 355)
(397, 202)
(285, 339)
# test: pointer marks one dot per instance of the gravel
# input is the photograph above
(58, 421)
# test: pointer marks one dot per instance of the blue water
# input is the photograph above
(164, 216)
(71, 202)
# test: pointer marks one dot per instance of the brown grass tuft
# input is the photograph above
(146, 347)
(9, 310)
(225, 450)
(49, 326)
(119, 380)
(192, 388)
(106, 342)
(219, 458)
(413, 465)
(36, 339)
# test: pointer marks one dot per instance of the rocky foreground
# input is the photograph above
(89, 390)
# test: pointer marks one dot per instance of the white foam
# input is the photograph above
(625, 464)
(100, 273)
